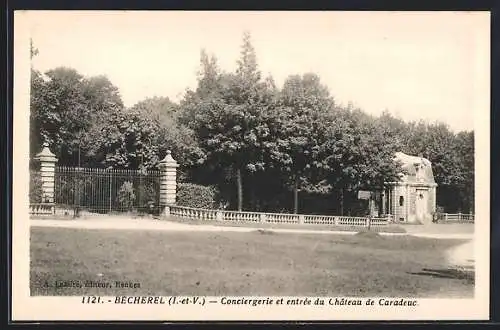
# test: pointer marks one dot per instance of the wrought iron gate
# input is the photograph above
(103, 191)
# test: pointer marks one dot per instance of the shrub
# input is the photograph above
(126, 196)
(147, 194)
(36, 191)
(195, 195)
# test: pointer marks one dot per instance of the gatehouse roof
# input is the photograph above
(417, 169)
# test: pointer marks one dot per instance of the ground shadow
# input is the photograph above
(451, 273)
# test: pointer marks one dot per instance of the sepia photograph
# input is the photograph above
(283, 159)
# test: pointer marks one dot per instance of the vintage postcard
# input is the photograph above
(179, 166)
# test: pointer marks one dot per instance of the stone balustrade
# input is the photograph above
(276, 218)
(41, 209)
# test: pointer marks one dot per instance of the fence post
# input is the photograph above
(262, 217)
(446, 217)
(110, 192)
(459, 216)
(336, 221)
(301, 219)
(218, 215)
(368, 222)
(47, 172)
(168, 183)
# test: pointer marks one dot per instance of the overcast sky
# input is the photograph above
(433, 66)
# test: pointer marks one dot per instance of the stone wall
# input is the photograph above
(413, 199)
(399, 211)
(432, 200)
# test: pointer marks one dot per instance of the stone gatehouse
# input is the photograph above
(413, 198)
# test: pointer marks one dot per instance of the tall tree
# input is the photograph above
(225, 112)
(465, 151)
(60, 111)
(208, 75)
(209, 87)
(248, 76)
(126, 139)
(297, 124)
(138, 137)
(356, 154)
(172, 134)
(248, 71)
(64, 106)
(36, 93)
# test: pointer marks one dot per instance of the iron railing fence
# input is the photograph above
(454, 218)
(105, 191)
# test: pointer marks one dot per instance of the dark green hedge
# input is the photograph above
(195, 195)
(35, 187)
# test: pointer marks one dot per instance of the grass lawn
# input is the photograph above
(392, 228)
(233, 263)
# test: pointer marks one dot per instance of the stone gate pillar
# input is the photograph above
(432, 199)
(168, 183)
(47, 172)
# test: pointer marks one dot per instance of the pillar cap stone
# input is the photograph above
(169, 161)
(46, 155)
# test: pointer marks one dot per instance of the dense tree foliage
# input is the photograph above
(261, 147)
(226, 112)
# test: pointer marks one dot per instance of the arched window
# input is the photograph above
(401, 200)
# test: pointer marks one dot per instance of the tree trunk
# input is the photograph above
(240, 189)
(342, 201)
(296, 196)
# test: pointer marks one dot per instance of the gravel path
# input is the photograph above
(146, 224)
(151, 224)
